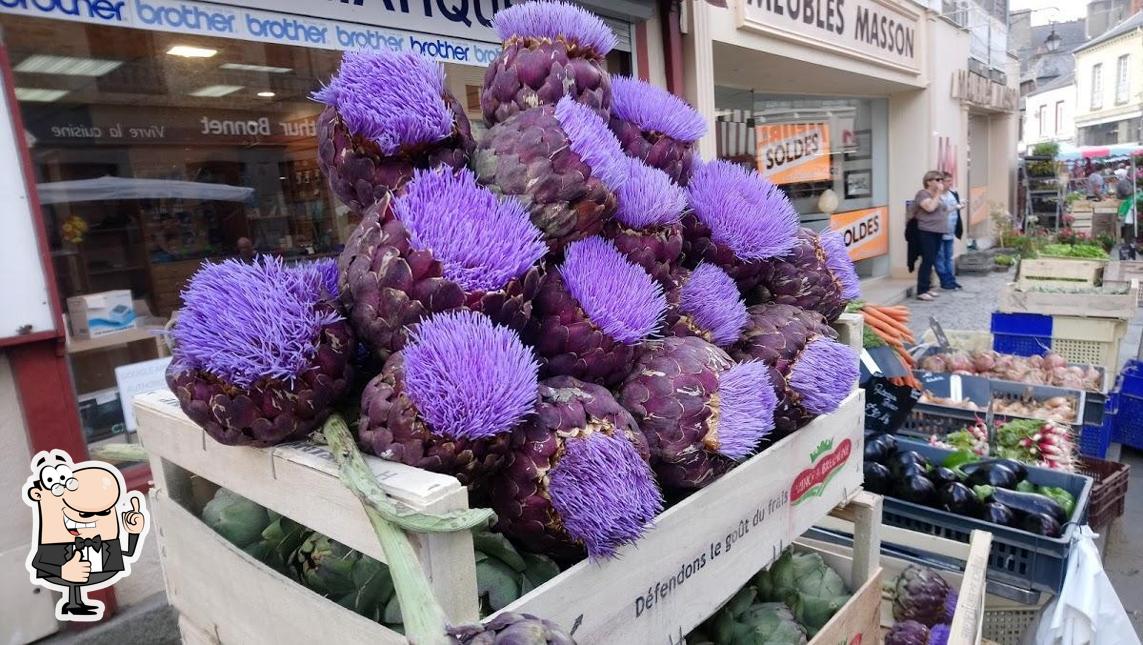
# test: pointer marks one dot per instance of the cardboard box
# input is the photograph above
(99, 314)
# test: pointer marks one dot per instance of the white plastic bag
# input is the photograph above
(1087, 611)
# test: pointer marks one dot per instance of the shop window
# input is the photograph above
(1097, 86)
(1042, 118)
(1122, 80)
(1059, 117)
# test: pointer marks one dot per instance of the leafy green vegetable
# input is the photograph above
(807, 585)
(1026, 487)
(1073, 251)
(1060, 496)
(960, 457)
(870, 339)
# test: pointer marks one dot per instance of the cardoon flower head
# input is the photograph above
(823, 374)
(654, 109)
(590, 138)
(744, 212)
(618, 296)
(839, 264)
(555, 21)
(746, 402)
(712, 301)
(648, 197)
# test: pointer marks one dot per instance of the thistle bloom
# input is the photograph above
(551, 50)
(260, 351)
(646, 227)
(707, 304)
(387, 114)
(655, 126)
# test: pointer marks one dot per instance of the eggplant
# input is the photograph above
(997, 475)
(910, 457)
(941, 476)
(1025, 503)
(1042, 524)
(957, 498)
(878, 479)
(1011, 464)
(997, 513)
(875, 452)
(912, 470)
(917, 489)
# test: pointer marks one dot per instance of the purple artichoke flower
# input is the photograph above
(446, 243)
(590, 314)
(449, 400)
(817, 275)
(562, 162)
(330, 275)
(551, 50)
(738, 219)
(950, 605)
(576, 478)
(387, 114)
(920, 594)
(646, 227)
(811, 372)
(939, 635)
(512, 629)
(706, 303)
(908, 632)
(700, 412)
(260, 352)
(655, 126)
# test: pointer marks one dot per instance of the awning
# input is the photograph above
(112, 188)
(1120, 150)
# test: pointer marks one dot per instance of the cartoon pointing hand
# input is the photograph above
(134, 520)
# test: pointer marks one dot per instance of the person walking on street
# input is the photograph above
(932, 224)
(953, 205)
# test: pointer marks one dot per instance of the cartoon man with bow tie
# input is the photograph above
(76, 543)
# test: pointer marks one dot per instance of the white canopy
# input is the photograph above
(111, 188)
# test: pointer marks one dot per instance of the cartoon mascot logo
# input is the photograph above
(76, 535)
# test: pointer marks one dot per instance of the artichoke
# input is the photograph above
(446, 243)
(812, 590)
(503, 575)
(551, 50)
(655, 126)
(280, 539)
(746, 622)
(706, 303)
(261, 353)
(235, 518)
(908, 632)
(562, 162)
(939, 635)
(817, 275)
(512, 629)
(577, 476)
(387, 114)
(592, 312)
(738, 220)
(349, 578)
(646, 227)
(700, 412)
(449, 400)
(920, 594)
(811, 372)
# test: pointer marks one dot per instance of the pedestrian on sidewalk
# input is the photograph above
(932, 223)
(953, 206)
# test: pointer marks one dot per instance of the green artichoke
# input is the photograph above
(503, 575)
(920, 595)
(280, 539)
(349, 578)
(235, 518)
(807, 585)
(745, 622)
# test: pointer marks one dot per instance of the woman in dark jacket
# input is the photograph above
(932, 223)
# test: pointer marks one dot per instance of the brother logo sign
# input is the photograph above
(107, 10)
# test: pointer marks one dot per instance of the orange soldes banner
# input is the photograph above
(866, 231)
(790, 153)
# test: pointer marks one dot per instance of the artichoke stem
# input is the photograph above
(423, 618)
(119, 452)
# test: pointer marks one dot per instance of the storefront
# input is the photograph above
(162, 134)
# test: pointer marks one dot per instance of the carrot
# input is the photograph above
(899, 316)
(893, 324)
(886, 334)
(909, 362)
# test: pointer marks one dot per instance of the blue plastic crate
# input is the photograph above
(1018, 558)
(1021, 344)
(1129, 421)
(1131, 378)
(1094, 440)
(1023, 324)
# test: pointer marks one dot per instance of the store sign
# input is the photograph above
(790, 153)
(977, 90)
(866, 231)
(878, 31)
(459, 33)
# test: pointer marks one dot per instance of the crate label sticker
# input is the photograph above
(735, 537)
(812, 481)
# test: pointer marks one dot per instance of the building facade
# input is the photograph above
(1109, 85)
(1049, 114)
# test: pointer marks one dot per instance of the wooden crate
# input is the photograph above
(849, 329)
(1060, 270)
(716, 539)
(1124, 271)
(1122, 306)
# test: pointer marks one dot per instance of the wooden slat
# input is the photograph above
(849, 329)
(1071, 271)
(1014, 299)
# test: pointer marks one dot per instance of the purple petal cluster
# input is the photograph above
(469, 379)
(394, 99)
(618, 296)
(654, 109)
(823, 374)
(327, 267)
(242, 322)
(746, 402)
(713, 302)
(555, 21)
(951, 600)
(648, 197)
(939, 635)
(591, 139)
(839, 264)
(745, 212)
(604, 492)
(481, 241)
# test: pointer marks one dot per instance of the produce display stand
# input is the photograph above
(1121, 306)
(1060, 272)
(696, 556)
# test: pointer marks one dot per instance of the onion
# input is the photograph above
(1052, 359)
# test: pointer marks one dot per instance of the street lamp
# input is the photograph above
(1053, 41)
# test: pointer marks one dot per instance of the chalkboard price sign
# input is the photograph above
(887, 405)
(939, 332)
